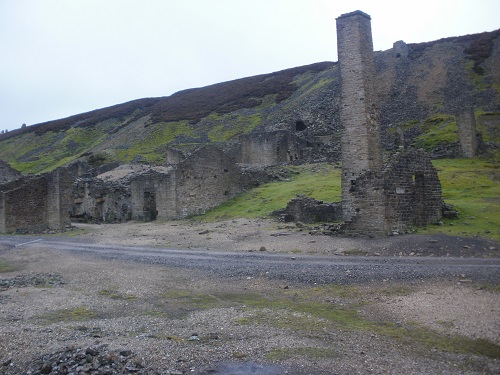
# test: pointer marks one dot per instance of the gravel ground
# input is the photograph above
(76, 308)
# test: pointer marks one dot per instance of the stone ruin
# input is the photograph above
(36, 203)
(276, 147)
(377, 197)
(191, 183)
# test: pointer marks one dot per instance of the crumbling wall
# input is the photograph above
(467, 133)
(107, 197)
(99, 201)
(7, 173)
(309, 210)
(205, 180)
(59, 198)
(36, 203)
(149, 197)
(202, 180)
(413, 191)
(23, 205)
(275, 148)
(367, 201)
(406, 193)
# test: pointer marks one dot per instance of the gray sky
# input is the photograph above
(63, 57)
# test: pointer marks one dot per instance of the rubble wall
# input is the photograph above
(413, 191)
(205, 180)
(24, 205)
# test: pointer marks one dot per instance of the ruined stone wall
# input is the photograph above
(361, 134)
(59, 198)
(413, 191)
(269, 148)
(205, 180)
(406, 193)
(467, 133)
(7, 173)
(98, 201)
(154, 196)
(23, 205)
(367, 200)
(36, 203)
(309, 210)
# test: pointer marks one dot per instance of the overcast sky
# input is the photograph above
(63, 57)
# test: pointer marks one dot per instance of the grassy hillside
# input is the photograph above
(472, 186)
(319, 181)
(141, 130)
(419, 95)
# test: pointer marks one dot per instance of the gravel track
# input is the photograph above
(139, 295)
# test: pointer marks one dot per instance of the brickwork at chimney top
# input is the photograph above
(361, 150)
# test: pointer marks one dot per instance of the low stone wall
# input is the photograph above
(309, 210)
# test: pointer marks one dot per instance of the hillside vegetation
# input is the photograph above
(419, 96)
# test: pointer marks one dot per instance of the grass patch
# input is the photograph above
(179, 303)
(321, 181)
(151, 147)
(489, 287)
(113, 294)
(473, 187)
(31, 153)
(76, 314)
(155, 313)
(317, 310)
(6, 267)
(437, 131)
(225, 127)
(314, 311)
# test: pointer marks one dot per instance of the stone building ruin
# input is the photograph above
(276, 147)
(376, 198)
(193, 182)
(36, 203)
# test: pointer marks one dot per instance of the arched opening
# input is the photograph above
(300, 126)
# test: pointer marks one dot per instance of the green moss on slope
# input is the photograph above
(319, 181)
(437, 130)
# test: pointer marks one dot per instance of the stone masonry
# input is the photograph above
(7, 173)
(376, 198)
(361, 135)
(36, 203)
(467, 133)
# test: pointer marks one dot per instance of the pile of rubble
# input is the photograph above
(92, 360)
(48, 279)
